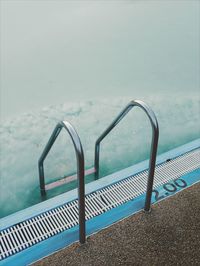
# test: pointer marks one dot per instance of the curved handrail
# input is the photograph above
(154, 144)
(80, 170)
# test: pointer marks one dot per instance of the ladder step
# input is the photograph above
(67, 179)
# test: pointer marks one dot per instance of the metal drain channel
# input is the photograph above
(27, 233)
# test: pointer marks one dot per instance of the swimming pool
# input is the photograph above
(38, 231)
(24, 138)
(86, 76)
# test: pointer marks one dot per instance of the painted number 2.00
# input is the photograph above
(170, 188)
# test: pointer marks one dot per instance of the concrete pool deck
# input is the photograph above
(169, 235)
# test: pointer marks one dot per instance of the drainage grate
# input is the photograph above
(27, 233)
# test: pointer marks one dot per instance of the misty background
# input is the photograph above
(58, 51)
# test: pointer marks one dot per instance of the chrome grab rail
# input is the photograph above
(154, 144)
(80, 170)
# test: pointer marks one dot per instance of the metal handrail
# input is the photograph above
(154, 144)
(80, 170)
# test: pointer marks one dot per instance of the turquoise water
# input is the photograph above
(83, 62)
(23, 139)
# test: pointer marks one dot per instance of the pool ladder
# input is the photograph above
(80, 159)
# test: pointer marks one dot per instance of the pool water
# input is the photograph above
(23, 139)
(83, 62)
